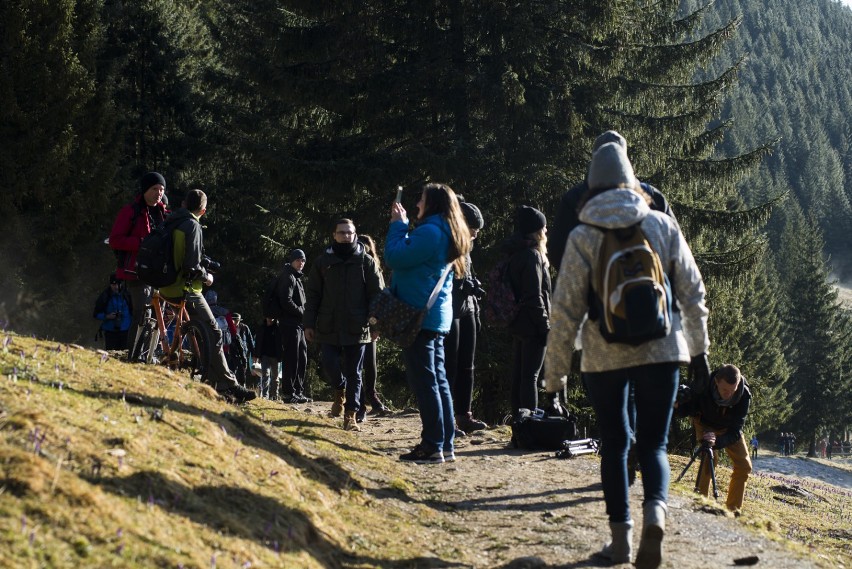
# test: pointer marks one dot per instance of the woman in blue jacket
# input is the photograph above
(418, 259)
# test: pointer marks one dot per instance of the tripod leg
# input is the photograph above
(713, 478)
(686, 468)
(700, 469)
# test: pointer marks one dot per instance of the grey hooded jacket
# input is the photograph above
(611, 209)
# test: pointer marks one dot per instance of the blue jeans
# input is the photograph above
(343, 365)
(654, 388)
(270, 371)
(427, 377)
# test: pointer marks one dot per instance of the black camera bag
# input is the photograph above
(540, 432)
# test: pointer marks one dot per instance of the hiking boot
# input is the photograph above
(468, 424)
(339, 401)
(421, 454)
(449, 455)
(650, 553)
(460, 433)
(618, 550)
(361, 415)
(379, 410)
(237, 394)
(350, 423)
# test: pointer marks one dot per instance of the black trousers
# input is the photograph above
(459, 355)
(528, 360)
(294, 351)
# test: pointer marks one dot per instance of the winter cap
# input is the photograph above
(113, 279)
(236, 316)
(609, 136)
(151, 179)
(472, 215)
(210, 296)
(296, 254)
(610, 168)
(529, 220)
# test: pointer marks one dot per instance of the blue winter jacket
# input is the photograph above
(417, 259)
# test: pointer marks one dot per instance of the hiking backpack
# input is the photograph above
(632, 296)
(499, 307)
(155, 264)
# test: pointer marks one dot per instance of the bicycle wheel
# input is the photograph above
(195, 350)
(145, 338)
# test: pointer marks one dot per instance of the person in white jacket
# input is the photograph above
(615, 201)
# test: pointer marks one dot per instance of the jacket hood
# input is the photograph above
(514, 243)
(615, 208)
(179, 216)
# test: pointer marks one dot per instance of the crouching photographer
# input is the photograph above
(718, 412)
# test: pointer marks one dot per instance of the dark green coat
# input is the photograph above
(338, 297)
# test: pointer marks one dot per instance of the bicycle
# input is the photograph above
(168, 336)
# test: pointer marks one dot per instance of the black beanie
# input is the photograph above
(472, 215)
(151, 179)
(529, 220)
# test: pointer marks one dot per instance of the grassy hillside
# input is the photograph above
(108, 465)
(103, 464)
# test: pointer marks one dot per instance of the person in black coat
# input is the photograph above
(460, 343)
(529, 276)
(294, 348)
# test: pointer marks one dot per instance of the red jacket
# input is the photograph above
(127, 234)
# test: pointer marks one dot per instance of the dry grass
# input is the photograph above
(109, 465)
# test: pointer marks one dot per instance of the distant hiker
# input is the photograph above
(754, 446)
(242, 346)
(113, 308)
(342, 283)
(290, 298)
(616, 201)
(528, 273)
(132, 224)
(718, 415)
(268, 350)
(188, 250)
(460, 343)
(420, 259)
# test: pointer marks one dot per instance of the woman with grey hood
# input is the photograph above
(615, 201)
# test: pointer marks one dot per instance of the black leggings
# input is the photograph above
(527, 362)
(459, 354)
(369, 395)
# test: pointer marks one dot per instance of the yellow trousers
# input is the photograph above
(738, 453)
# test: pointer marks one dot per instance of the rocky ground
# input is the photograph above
(506, 508)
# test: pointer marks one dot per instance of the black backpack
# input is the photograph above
(155, 260)
(271, 306)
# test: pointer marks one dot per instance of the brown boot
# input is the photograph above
(468, 424)
(339, 401)
(350, 423)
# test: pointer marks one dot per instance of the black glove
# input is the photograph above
(698, 372)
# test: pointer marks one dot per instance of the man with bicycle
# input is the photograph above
(188, 251)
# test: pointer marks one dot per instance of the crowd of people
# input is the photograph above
(632, 383)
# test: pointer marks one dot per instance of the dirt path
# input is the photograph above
(507, 508)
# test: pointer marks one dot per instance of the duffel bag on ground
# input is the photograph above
(536, 431)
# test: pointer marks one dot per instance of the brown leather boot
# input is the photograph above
(468, 424)
(350, 423)
(339, 401)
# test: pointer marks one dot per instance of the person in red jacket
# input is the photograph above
(133, 223)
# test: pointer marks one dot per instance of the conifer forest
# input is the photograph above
(291, 114)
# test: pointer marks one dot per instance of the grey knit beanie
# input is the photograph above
(609, 136)
(472, 215)
(610, 168)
